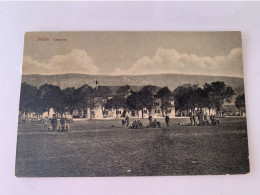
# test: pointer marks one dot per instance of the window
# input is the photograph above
(145, 111)
(157, 104)
(118, 112)
(157, 111)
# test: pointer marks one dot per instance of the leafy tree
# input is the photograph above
(28, 98)
(240, 103)
(85, 99)
(209, 100)
(134, 102)
(70, 99)
(218, 92)
(149, 88)
(147, 97)
(38, 107)
(123, 90)
(202, 98)
(146, 100)
(51, 96)
(166, 97)
(185, 97)
(142, 99)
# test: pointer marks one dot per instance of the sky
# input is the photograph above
(133, 53)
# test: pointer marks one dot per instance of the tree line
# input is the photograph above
(185, 97)
(211, 96)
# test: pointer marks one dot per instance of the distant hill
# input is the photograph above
(161, 80)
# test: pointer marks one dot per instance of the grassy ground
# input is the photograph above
(104, 148)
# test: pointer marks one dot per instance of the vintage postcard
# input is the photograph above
(132, 104)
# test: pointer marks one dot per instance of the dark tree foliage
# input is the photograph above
(38, 108)
(85, 99)
(202, 98)
(217, 93)
(51, 96)
(70, 99)
(146, 100)
(185, 97)
(123, 89)
(142, 99)
(29, 98)
(134, 102)
(149, 88)
(147, 96)
(166, 97)
(240, 102)
(116, 102)
(213, 95)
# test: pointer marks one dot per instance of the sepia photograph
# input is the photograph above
(132, 103)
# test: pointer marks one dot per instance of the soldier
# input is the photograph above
(134, 125)
(194, 119)
(205, 117)
(127, 120)
(211, 119)
(200, 117)
(54, 122)
(167, 119)
(150, 118)
(62, 123)
(191, 119)
(45, 123)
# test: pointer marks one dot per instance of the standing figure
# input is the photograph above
(54, 122)
(194, 119)
(127, 120)
(167, 119)
(205, 117)
(199, 118)
(45, 123)
(150, 118)
(191, 119)
(62, 124)
(211, 119)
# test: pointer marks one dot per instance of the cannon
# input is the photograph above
(154, 124)
(137, 125)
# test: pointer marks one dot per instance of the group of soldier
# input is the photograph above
(54, 123)
(196, 118)
(137, 124)
(200, 118)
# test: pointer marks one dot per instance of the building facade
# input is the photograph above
(100, 112)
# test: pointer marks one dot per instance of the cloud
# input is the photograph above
(164, 61)
(77, 61)
(171, 61)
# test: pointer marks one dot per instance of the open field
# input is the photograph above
(96, 148)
